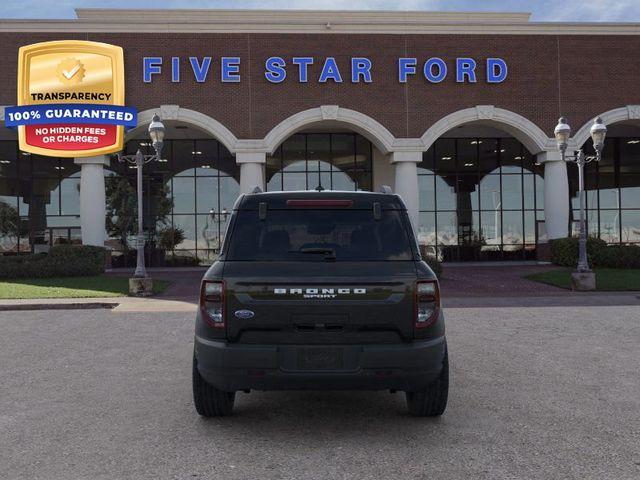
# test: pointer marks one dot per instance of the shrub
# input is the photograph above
(182, 261)
(170, 237)
(618, 256)
(431, 259)
(61, 261)
(564, 252)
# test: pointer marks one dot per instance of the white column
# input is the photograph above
(251, 170)
(93, 208)
(406, 181)
(556, 195)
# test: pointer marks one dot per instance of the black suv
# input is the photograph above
(320, 290)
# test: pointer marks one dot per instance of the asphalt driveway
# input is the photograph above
(549, 392)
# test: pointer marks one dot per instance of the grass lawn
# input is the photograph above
(71, 287)
(607, 279)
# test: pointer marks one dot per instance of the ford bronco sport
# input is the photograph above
(320, 290)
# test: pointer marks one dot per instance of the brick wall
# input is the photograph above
(578, 76)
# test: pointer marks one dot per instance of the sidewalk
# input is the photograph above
(463, 286)
(117, 304)
(495, 280)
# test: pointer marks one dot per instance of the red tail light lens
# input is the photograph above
(212, 303)
(427, 303)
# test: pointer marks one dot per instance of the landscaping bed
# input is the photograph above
(71, 287)
(607, 279)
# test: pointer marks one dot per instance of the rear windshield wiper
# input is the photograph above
(330, 253)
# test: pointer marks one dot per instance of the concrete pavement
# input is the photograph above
(544, 392)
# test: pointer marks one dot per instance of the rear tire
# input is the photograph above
(432, 401)
(208, 400)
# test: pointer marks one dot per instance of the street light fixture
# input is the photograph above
(156, 133)
(598, 133)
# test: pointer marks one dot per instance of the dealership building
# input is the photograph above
(454, 111)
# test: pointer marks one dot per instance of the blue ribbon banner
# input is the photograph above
(70, 113)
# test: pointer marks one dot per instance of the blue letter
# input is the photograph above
(275, 69)
(360, 66)
(330, 71)
(230, 69)
(428, 70)
(303, 63)
(175, 69)
(200, 71)
(498, 76)
(465, 66)
(150, 66)
(406, 66)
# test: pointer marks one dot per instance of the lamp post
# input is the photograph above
(583, 278)
(156, 133)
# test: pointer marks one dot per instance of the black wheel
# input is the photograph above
(432, 401)
(209, 401)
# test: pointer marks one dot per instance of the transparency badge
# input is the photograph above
(70, 99)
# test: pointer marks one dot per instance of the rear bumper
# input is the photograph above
(232, 367)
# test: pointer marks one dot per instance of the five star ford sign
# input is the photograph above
(71, 99)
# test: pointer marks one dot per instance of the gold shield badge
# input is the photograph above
(73, 90)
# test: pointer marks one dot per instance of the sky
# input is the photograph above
(542, 10)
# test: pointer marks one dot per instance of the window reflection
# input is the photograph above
(331, 161)
(426, 194)
(479, 199)
(630, 222)
(447, 228)
(39, 200)
(612, 191)
(630, 190)
(512, 192)
(201, 180)
(490, 194)
(445, 195)
(609, 226)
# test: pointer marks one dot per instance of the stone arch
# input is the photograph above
(527, 132)
(197, 119)
(622, 114)
(382, 138)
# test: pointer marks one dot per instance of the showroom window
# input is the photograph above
(329, 161)
(480, 199)
(39, 201)
(192, 190)
(612, 189)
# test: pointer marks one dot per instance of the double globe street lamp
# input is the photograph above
(141, 284)
(583, 278)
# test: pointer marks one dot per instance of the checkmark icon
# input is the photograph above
(71, 73)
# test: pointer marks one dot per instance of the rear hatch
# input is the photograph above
(319, 268)
(319, 303)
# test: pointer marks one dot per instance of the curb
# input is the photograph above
(58, 306)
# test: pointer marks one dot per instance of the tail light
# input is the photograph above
(212, 303)
(427, 303)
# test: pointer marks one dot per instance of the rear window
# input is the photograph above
(319, 235)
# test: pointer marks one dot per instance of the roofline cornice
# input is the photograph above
(316, 22)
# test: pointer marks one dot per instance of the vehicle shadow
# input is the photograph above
(312, 414)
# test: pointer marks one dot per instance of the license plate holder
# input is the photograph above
(320, 358)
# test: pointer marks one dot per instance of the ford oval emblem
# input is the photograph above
(244, 314)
